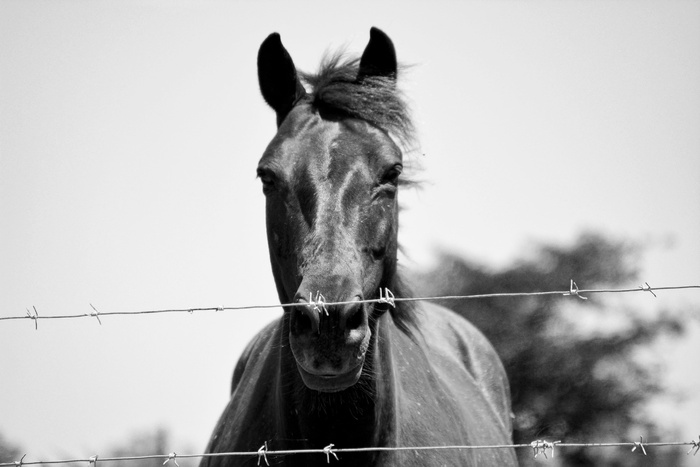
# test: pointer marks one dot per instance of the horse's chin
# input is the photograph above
(330, 383)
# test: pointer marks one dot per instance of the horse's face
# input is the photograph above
(331, 206)
(331, 223)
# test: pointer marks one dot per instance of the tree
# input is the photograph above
(8, 451)
(571, 362)
(145, 444)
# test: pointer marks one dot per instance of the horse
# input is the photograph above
(345, 366)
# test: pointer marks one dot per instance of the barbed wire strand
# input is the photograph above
(538, 447)
(319, 303)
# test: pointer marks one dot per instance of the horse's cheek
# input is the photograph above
(379, 230)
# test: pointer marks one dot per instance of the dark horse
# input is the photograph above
(357, 374)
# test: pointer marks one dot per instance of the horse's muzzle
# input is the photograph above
(329, 343)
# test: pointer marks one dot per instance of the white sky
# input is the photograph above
(130, 133)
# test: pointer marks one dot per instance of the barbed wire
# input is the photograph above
(538, 447)
(318, 302)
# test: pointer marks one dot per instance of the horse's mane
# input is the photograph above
(404, 312)
(377, 100)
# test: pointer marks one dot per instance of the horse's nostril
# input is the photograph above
(301, 322)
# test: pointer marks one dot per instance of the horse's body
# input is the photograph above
(357, 375)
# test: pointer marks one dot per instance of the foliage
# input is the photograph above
(148, 443)
(572, 363)
(8, 451)
(143, 444)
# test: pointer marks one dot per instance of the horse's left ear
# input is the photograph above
(379, 57)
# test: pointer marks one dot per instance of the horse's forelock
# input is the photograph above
(375, 99)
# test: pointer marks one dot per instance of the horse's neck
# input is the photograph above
(386, 392)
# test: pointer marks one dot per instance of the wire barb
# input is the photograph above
(319, 304)
(34, 316)
(540, 446)
(93, 460)
(647, 288)
(386, 296)
(172, 457)
(262, 453)
(95, 313)
(640, 445)
(574, 291)
(328, 450)
(696, 446)
(20, 462)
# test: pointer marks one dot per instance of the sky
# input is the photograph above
(129, 137)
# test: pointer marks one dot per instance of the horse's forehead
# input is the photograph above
(305, 139)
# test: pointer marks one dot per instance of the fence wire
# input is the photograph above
(538, 447)
(318, 302)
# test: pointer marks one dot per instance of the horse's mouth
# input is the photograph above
(330, 382)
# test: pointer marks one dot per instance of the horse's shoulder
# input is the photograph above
(449, 332)
(450, 337)
(257, 348)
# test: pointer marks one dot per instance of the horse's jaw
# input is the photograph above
(330, 382)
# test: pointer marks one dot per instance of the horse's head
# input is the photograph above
(330, 178)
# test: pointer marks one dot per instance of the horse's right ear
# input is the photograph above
(279, 82)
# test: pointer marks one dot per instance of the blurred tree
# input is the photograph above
(572, 363)
(8, 451)
(144, 444)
